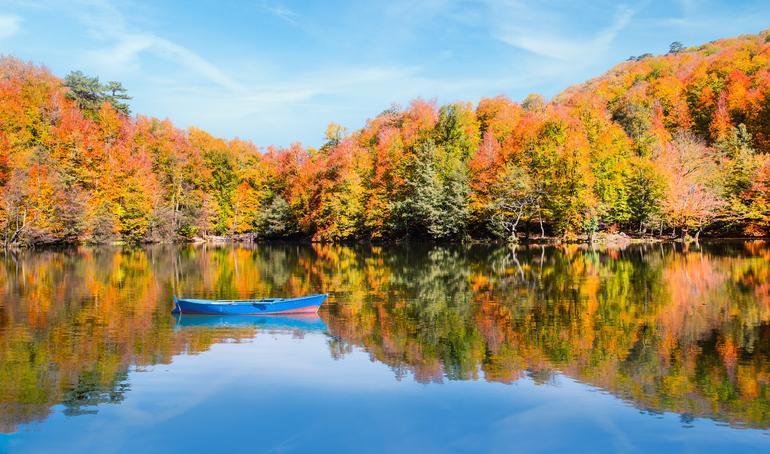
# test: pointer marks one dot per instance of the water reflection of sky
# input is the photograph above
(282, 391)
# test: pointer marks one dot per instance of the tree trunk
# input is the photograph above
(12, 236)
(177, 195)
(542, 230)
(513, 238)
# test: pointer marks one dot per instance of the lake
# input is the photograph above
(419, 348)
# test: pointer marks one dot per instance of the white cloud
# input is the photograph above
(9, 25)
(541, 32)
(130, 45)
(279, 10)
(267, 98)
(105, 22)
(688, 6)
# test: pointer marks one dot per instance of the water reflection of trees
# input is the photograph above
(72, 322)
(668, 329)
(665, 328)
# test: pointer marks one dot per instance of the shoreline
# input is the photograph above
(611, 240)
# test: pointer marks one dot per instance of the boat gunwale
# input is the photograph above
(246, 302)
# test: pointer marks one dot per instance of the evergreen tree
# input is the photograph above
(88, 93)
(675, 47)
(646, 190)
(277, 220)
(115, 94)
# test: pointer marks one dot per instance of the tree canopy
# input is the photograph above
(88, 93)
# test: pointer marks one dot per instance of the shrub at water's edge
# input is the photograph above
(659, 145)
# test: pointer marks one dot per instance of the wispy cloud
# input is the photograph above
(9, 25)
(272, 96)
(130, 45)
(279, 10)
(688, 6)
(541, 32)
(125, 44)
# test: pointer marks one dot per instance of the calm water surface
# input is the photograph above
(429, 349)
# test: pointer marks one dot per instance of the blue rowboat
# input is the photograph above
(266, 306)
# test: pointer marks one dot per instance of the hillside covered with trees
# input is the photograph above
(660, 145)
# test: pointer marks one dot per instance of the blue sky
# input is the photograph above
(278, 71)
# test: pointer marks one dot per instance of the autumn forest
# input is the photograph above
(673, 145)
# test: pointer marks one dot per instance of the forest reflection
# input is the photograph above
(664, 327)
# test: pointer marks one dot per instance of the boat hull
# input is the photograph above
(275, 306)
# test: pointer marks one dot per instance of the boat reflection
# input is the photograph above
(310, 322)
